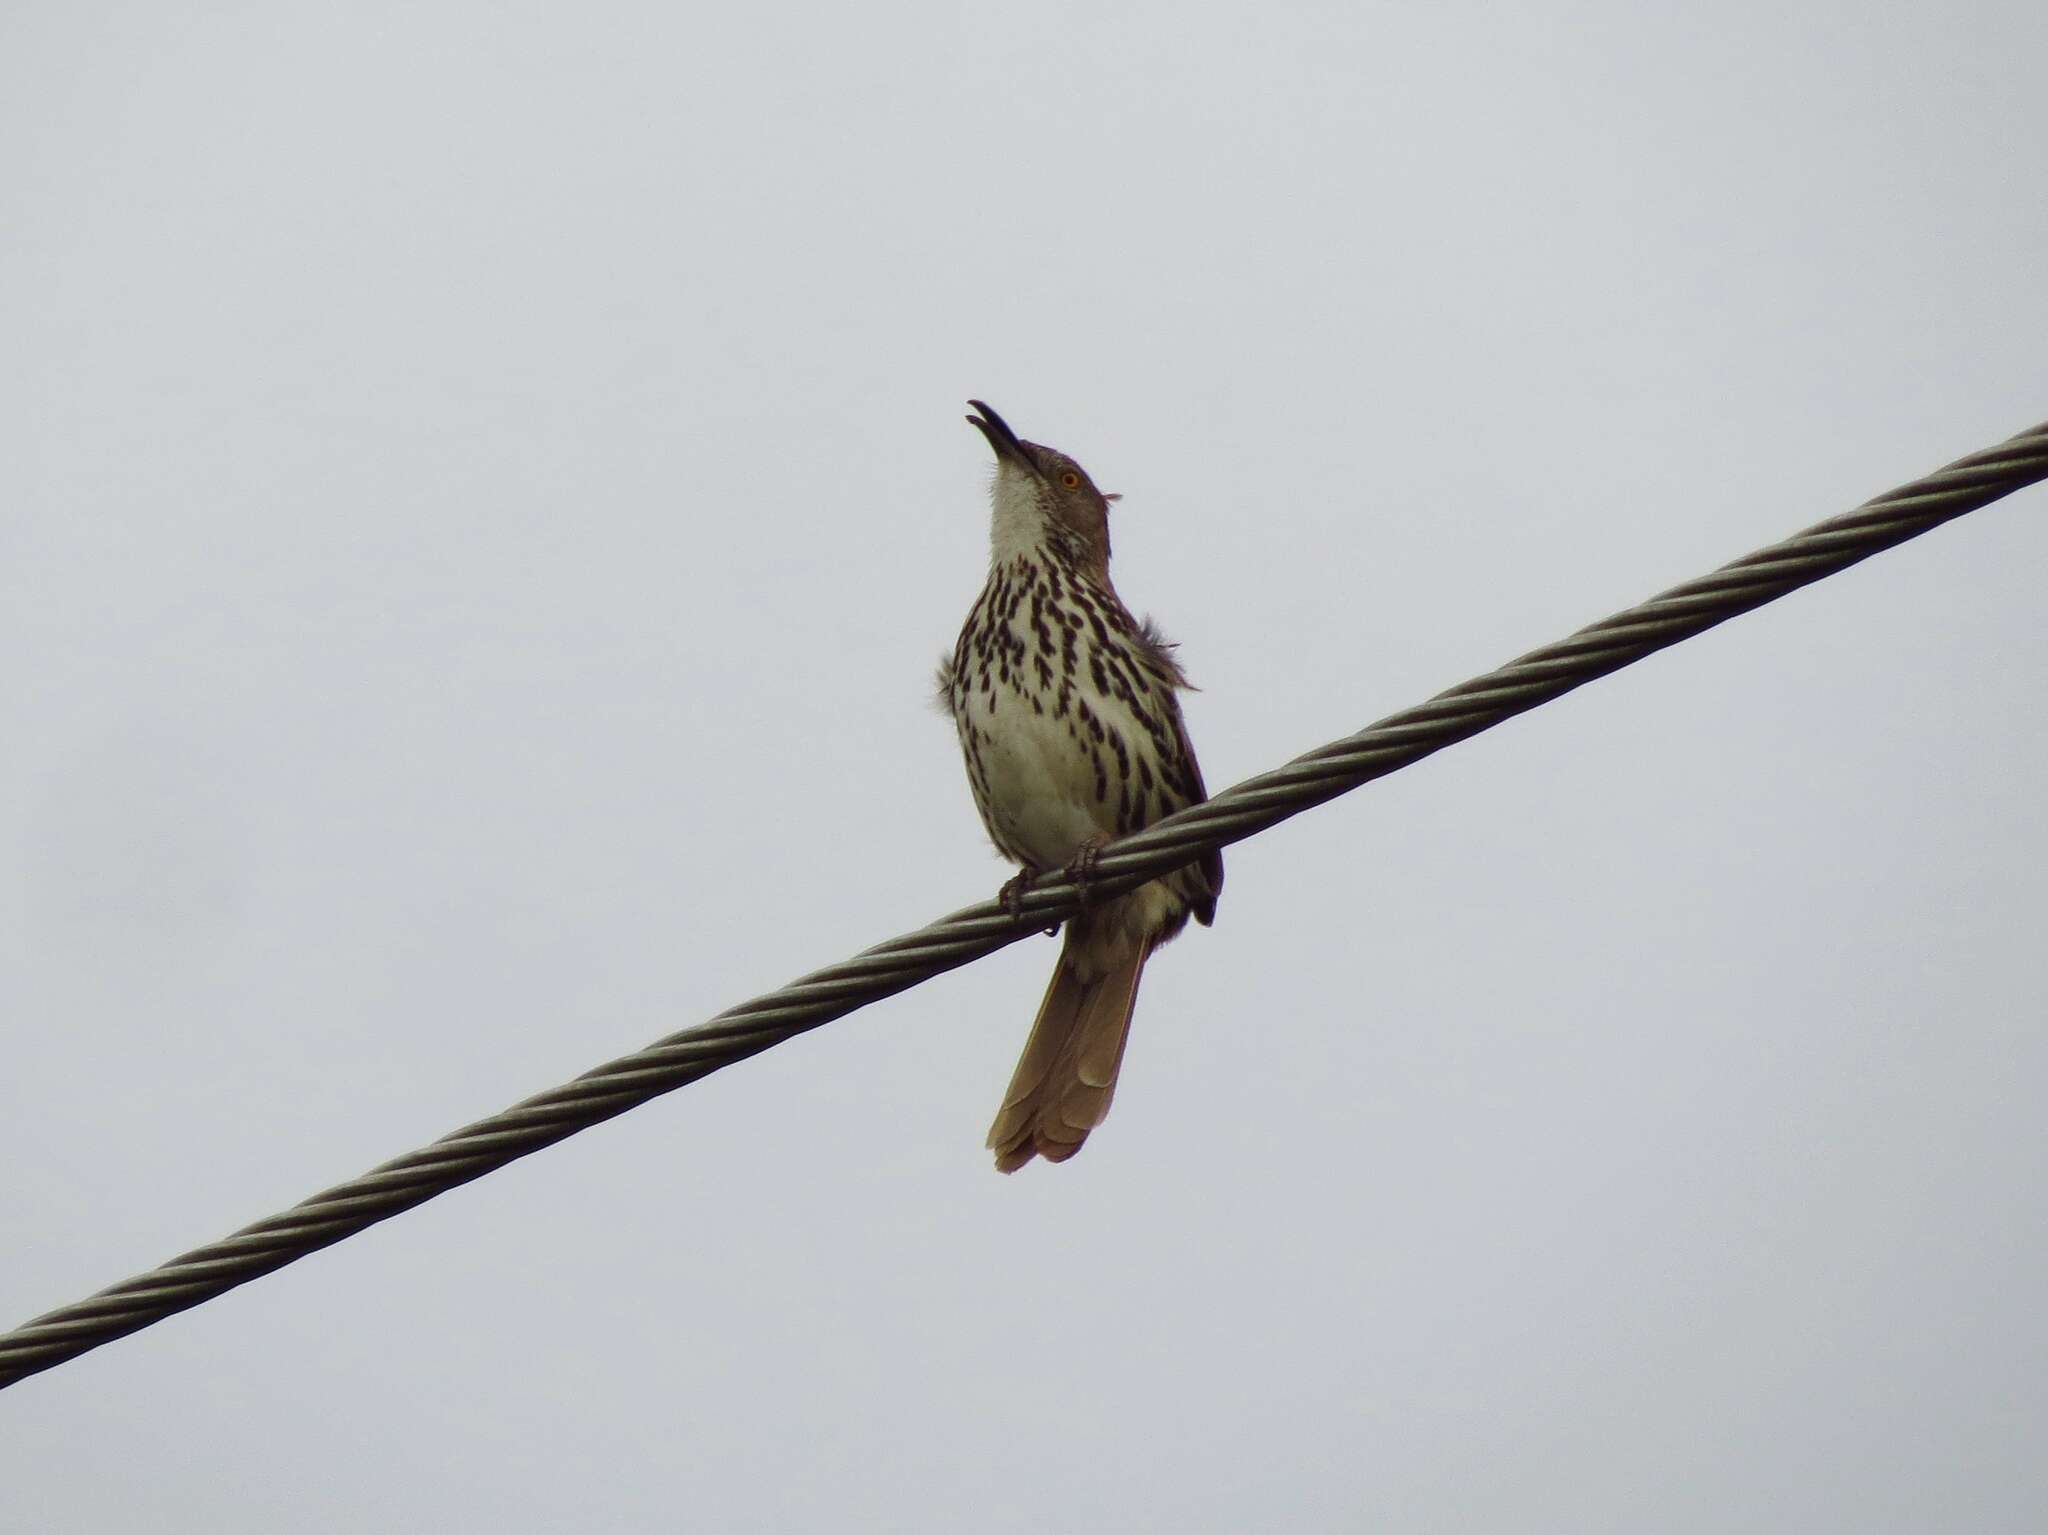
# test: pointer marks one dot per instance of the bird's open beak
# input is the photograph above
(1000, 437)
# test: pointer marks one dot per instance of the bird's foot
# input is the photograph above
(1081, 867)
(1012, 896)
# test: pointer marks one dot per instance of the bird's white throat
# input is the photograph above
(1017, 526)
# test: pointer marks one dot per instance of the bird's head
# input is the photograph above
(1041, 494)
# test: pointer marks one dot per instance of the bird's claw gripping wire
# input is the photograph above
(1081, 868)
(1012, 896)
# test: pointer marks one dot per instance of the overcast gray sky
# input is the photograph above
(482, 489)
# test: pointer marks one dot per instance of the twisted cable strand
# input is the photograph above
(967, 935)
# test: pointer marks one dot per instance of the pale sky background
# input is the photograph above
(482, 489)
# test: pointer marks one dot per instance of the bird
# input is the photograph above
(1067, 714)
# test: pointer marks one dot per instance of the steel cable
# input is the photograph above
(888, 968)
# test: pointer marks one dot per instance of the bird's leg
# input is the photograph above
(1081, 867)
(1012, 896)
(1012, 893)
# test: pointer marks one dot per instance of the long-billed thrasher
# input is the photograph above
(1067, 717)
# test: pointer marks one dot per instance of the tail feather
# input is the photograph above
(1066, 1078)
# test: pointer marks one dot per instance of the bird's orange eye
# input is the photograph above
(1071, 480)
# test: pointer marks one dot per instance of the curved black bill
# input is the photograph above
(997, 431)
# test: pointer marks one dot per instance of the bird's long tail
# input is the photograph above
(1067, 1075)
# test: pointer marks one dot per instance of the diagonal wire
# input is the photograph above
(967, 935)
